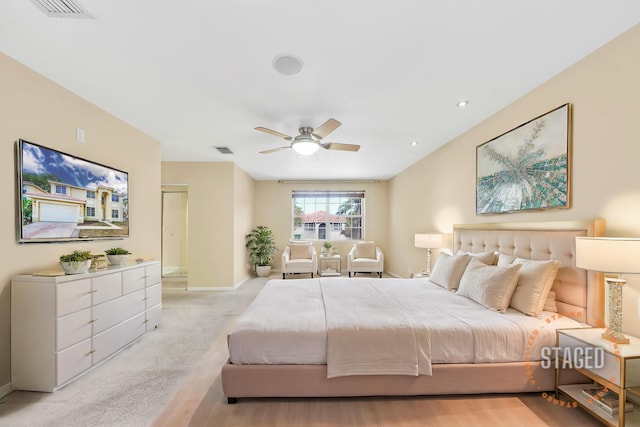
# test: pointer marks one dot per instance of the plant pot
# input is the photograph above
(117, 259)
(76, 267)
(263, 270)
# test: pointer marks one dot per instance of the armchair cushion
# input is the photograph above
(300, 252)
(366, 250)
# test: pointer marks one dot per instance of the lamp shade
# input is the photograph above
(428, 240)
(608, 254)
(305, 145)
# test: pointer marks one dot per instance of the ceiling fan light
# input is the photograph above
(305, 146)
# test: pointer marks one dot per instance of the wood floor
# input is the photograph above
(200, 402)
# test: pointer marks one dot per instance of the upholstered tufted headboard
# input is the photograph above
(579, 293)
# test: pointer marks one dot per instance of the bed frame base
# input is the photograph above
(240, 381)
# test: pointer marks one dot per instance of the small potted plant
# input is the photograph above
(261, 246)
(327, 248)
(117, 256)
(77, 262)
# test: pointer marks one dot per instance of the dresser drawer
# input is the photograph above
(153, 274)
(133, 280)
(73, 328)
(73, 296)
(73, 361)
(112, 340)
(106, 287)
(154, 295)
(117, 310)
(154, 316)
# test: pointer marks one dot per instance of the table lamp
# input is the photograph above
(428, 241)
(610, 255)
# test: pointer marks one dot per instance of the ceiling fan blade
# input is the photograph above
(274, 133)
(343, 147)
(326, 128)
(273, 150)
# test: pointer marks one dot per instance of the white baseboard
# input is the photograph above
(5, 389)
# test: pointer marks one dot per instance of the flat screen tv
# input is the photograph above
(62, 197)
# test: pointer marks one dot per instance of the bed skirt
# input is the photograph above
(240, 381)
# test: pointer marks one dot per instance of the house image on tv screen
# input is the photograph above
(72, 204)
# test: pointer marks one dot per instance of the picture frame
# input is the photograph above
(528, 167)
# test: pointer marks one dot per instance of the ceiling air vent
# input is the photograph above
(224, 150)
(61, 8)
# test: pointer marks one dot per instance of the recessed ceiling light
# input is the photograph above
(414, 143)
(287, 64)
(462, 103)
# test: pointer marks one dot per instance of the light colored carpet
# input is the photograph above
(132, 388)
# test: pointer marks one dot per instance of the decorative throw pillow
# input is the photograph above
(300, 252)
(449, 269)
(489, 285)
(534, 284)
(489, 258)
(504, 259)
(550, 303)
(366, 250)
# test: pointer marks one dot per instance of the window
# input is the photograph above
(328, 215)
(91, 194)
(115, 198)
(61, 189)
(91, 211)
(114, 213)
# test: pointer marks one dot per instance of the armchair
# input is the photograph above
(299, 256)
(365, 257)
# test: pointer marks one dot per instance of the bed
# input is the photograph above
(298, 356)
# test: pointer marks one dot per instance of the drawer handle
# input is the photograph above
(91, 352)
(146, 321)
(93, 320)
(93, 291)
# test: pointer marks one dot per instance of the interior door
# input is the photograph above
(174, 233)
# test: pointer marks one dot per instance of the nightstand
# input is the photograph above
(614, 366)
(329, 265)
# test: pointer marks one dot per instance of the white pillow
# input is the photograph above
(489, 285)
(489, 258)
(449, 269)
(300, 251)
(534, 284)
(504, 259)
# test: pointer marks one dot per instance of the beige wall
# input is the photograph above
(35, 109)
(216, 204)
(243, 205)
(603, 89)
(273, 209)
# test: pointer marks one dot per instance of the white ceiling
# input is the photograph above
(195, 74)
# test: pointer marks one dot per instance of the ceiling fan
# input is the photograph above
(309, 140)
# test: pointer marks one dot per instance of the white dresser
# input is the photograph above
(62, 326)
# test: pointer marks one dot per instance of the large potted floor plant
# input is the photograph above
(261, 246)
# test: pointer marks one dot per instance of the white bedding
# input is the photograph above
(287, 324)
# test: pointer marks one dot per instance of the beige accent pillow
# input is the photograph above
(534, 284)
(504, 259)
(550, 303)
(366, 250)
(449, 269)
(489, 258)
(300, 252)
(489, 285)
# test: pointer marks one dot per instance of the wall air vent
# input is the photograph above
(224, 150)
(61, 9)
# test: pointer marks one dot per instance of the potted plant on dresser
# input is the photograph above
(77, 262)
(117, 256)
(261, 246)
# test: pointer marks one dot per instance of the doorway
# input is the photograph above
(174, 233)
